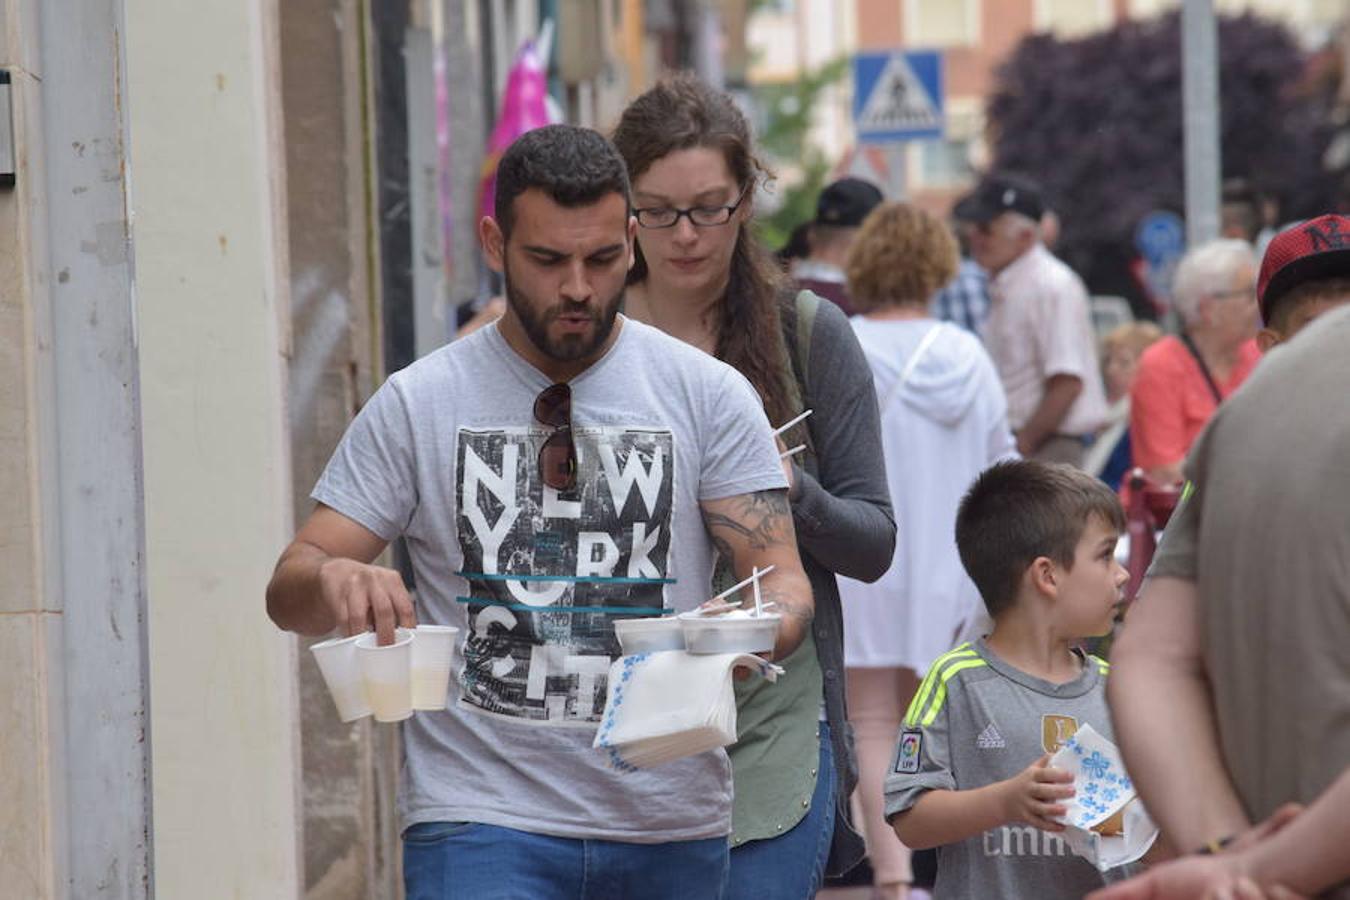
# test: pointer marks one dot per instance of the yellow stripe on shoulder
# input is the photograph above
(940, 696)
(960, 652)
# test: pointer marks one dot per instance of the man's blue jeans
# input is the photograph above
(468, 861)
(790, 867)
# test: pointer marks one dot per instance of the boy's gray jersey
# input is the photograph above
(976, 720)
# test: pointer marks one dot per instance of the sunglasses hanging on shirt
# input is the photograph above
(558, 456)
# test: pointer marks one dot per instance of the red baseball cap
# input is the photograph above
(1317, 248)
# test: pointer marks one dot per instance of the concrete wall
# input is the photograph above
(208, 228)
(28, 618)
(74, 768)
(350, 850)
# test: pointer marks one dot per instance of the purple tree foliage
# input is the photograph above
(1098, 121)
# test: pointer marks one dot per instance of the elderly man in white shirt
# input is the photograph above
(1039, 330)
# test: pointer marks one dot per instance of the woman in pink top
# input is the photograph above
(1183, 378)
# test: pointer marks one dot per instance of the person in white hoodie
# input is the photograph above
(944, 420)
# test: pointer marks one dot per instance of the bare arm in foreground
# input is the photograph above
(755, 531)
(325, 580)
(1163, 714)
(1304, 857)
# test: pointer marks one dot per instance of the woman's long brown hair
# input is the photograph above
(681, 112)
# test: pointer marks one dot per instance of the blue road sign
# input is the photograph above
(897, 96)
(1160, 237)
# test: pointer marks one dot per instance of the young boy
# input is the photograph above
(971, 773)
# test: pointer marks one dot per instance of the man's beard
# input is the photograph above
(569, 347)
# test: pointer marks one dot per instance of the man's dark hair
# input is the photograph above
(1018, 511)
(574, 166)
(1313, 291)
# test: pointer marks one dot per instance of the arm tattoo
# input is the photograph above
(754, 523)
(756, 518)
(723, 548)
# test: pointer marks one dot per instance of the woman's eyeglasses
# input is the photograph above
(701, 216)
(558, 456)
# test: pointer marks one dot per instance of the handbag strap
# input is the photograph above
(1204, 369)
(912, 363)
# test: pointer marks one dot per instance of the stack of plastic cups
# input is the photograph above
(391, 681)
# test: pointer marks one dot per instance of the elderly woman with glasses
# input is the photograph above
(702, 276)
(1183, 378)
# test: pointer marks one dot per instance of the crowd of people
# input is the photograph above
(939, 536)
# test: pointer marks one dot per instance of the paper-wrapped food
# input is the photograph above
(1106, 823)
(668, 705)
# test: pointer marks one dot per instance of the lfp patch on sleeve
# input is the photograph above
(907, 762)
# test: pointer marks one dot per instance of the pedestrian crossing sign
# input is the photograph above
(897, 96)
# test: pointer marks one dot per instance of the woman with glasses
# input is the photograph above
(1182, 379)
(702, 276)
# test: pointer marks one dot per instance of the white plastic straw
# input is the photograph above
(790, 422)
(726, 607)
(713, 606)
(759, 604)
(793, 452)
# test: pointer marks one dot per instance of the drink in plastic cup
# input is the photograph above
(342, 673)
(433, 649)
(387, 672)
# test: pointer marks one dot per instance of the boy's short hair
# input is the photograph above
(574, 166)
(1019, 510)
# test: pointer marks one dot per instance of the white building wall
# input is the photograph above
(206, 165)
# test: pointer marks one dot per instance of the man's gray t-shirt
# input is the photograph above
(1265, 534)
(976, 720)
(445, 454)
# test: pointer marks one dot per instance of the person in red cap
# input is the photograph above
(1302, 276)
(1230, 686)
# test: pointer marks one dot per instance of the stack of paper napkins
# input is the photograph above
(1107, 824)
(671, 704)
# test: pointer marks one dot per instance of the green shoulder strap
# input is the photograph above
(807, 305)
(798, 325)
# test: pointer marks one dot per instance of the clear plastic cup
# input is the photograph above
(387, 672)
(341, 672)
(433, 650)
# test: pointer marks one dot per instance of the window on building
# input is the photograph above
(1147, 9)
(1073, 18)
(1290, 11)
(944, 162)
(942, 23)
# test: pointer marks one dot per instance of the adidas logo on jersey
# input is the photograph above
(990, 739)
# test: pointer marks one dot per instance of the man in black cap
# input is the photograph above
(840, 210)
(1039, 330)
